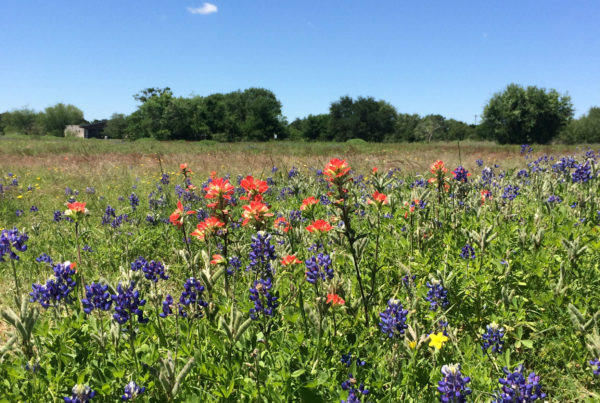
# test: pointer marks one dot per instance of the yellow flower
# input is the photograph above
(19, 196)
(412, 344)
(437, 340)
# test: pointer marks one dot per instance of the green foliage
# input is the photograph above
(21, 121)
(364, 118)
(529, 115)
(116, 126)
(56, 118)
(586, 129)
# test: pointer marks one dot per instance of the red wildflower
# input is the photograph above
(438, 167)
(219, 189)
(319, 226)
(485, 195)
(336, 168)
(254, 188)
(290, 259)
(76, 209)
(208, 227)
(309, 202)
(176, 217)
(217, 259)
(281, 222)
(255, 211)
(374, 170)
(184, 169)
(378, 198)
(335, 299)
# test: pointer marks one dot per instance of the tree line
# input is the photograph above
(516, 115)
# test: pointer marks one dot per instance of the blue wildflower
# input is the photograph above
(191, 299)
(262, 253)
(453, 386)
(437, 295)
(132, 390)
(493, 338)
(517, 388)
(55, 290)
(467, 252)
(128, 303)
(12, 241)
(461, 174)
(583, 173)
(43, 258)
(166, 307)
(134, 201)
(33, 209)
(393, 319)
(96, 297)
(264, 301)
(80, 394)
(354, 394)
(318, 267)
(595, 363)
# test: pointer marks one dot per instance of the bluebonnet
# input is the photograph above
(324, 200)
(261, 254)
(595, 363)
(526, 148)
(467, 252)
(319, 267)
(55, 290)
(80, 394)
(419, 183)
(128, 303)
(493, 338)
(510, 192)
(274, 169)
(234, 265)
(479, 162)
(487, 175)
(201, 214)
(264, 301)
(153, 270)
(12, 241)
(109, 214)
(164, 179)
(191, 299)
(57, 216)
(347, 360)
(134, 201)
(354, 394)
(19, 212)
(118, 220)
(523, 174)
(461, 174)
(293, 172)
(43, 258)
(409, 280)
(295, 215)
(132, 390)
(96, 297)
(582, 173)
(554, 199)
(437, 295)
(166, 307)
(90, 190)
(33, 209)
(68, 191)
(87, 248)
(517, 388)
(393, 319)
(453, 386)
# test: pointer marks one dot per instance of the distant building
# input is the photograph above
(86, 131)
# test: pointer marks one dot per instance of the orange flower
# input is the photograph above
(208, 227)
(254, 188)
(217, 259)
(485, 195)
(255, 211)
(290, 259)
(309, 202)
(378, 198)
(176, 218)
(335, 299)
(438, 167)
(184, 169)
(319, 226)
(219, 189)
(374, 170)
(281, 222)
(76, 209)
(336, 168)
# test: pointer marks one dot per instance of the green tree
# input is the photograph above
(432, 128)
(532, 115)
(21, 121)
(405, 127)
(57, 117)
(365, 118)
(586, 129)
(115, 126)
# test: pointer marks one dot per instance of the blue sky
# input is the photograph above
(446, 57)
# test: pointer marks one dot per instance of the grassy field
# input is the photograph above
(490, 270)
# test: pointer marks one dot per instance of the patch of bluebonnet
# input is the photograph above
(582, 173)
(354, 393)
(453, 387)
(262, 253)
(554, 199)
(33, 209)
(96, 297)
(191, 303)
(393, 320)
(56, 290)
(510, 192)
(347, 360)
(264, 301)
(518, 388)
(318, 268)
(44, 258)
(479, 162)
(419, 183)
(595, 363)
(11, 242)
(131, 391)
(493, 338)
(234, 265)
(461, 174)
(80, 394)
(467, 252)
(153, 270)
(166, 306)
(127, 303)
(437, 295)
(19, 212)
(293, 173)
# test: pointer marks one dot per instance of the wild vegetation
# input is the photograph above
(331, 272)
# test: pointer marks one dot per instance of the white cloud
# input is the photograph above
(206, 8)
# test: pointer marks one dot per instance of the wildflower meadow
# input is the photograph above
(471, 280)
